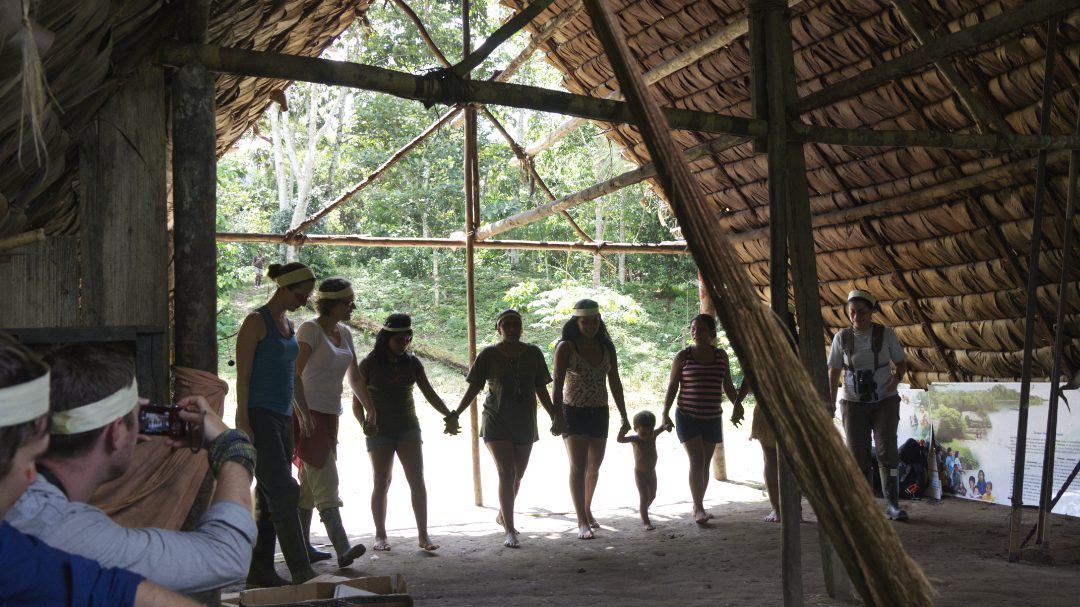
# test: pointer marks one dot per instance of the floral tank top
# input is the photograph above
(585, 384)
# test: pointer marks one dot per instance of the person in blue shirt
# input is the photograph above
(32, 573)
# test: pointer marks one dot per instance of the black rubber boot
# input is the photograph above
(261, 573)
(890, 487)
(331, 518)
(314, 555)
(294, 546)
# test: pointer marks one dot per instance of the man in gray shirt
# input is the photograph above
(94, 430)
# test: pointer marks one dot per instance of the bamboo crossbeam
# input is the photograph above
(995, 142)
(601, 189)
(723, 37)
(984, 116)
(382, 168)
(432, 89)
(356, 240)
(912, 200)
(499, 36)
(942, 48)
(21, 240)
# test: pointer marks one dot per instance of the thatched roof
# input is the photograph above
(89, 47)
(964, 256)
(951, 273)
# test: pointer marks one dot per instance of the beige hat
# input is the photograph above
(864, 295)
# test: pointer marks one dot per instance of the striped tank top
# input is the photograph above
(701, 387)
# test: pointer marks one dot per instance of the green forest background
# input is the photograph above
(316, 142)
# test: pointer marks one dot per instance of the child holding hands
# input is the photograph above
(644, 442)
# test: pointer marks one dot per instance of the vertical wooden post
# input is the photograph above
(471, 221)
(1042, 538)
(1016, 518)
(719, 458)
(194, 161)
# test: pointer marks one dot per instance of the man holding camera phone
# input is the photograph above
(94, 410)
(862, 353)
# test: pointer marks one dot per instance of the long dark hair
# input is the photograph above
(571, 331)
(398, 320)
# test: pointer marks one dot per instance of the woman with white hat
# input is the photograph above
(862, 354)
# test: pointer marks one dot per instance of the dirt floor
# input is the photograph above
(734, 560)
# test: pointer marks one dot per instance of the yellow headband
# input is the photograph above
(23, 402)
(97, 414)
(345, 293)
(297, 275)
(586, 312)
(396, 329)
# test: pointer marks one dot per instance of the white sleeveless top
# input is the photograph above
(326, 367)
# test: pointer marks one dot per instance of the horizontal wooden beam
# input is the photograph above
(437, 88)
(1029, 13)
(993, 142)
(601, 189)
(356, 240)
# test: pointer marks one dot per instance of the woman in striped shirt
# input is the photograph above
(700, 375)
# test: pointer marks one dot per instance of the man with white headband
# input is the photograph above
(32, 572)
(94, 405)
(862, 354)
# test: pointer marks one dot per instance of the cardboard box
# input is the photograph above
(385, 591)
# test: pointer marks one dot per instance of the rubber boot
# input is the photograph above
(331, 518)
(890, 486)
(294, 546)
(313, 555)
(261, 573)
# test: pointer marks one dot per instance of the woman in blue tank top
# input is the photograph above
(266, 351)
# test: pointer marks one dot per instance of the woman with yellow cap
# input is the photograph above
(872, 362)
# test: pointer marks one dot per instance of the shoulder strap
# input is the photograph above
(847, 343)
(877, 336)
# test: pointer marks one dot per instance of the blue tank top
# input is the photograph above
(273, 368)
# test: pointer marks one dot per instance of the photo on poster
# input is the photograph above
(975, 425)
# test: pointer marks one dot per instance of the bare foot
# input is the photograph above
(592, 522)
(701, 517)
(511, 541)
(499, 521)
(427, 544)
(772, 517)
(380, 544)
(585, 532)
(648, 524)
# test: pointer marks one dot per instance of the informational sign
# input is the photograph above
(976, 426)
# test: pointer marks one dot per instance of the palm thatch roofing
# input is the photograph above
(949, 262)
(962, 250)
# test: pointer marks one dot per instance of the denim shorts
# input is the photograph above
(405, 436)
(710, 430)
(592, 421)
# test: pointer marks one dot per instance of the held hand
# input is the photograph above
(370, 427)
(558, 424)
(453, 428)
(307, 425)
(737, 415)
(667, 425)
(625, 426)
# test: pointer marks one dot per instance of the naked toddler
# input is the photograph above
(644, 442)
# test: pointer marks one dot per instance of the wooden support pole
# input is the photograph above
(1042, 538)
(471, 219)
(614, 184)
(355, 240)
(984, 117)
(1037, 212)
(21, 240)
(768, 26)
(194, 171)
(942, 48)
(720, 39)
(431, 90)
